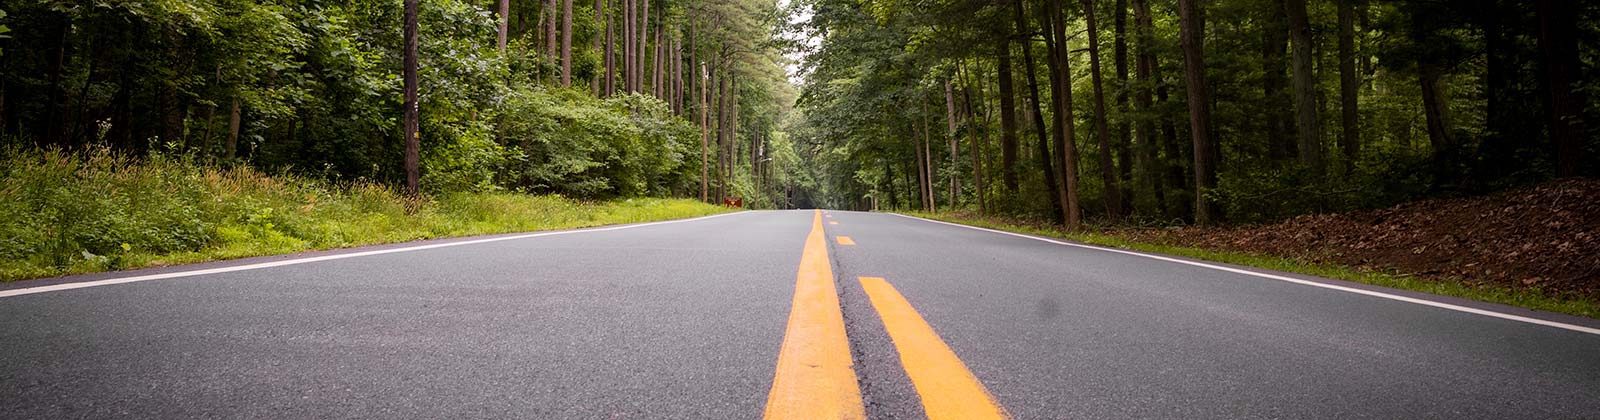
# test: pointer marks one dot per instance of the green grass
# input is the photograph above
(1531, 298)
(69, 213)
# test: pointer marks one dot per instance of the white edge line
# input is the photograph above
(106, 282)
(1408, 299)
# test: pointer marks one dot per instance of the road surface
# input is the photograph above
(799, 314)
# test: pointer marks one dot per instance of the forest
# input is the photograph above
(1171, 112)
(1105, 112)
(602, 99)
(158, 132)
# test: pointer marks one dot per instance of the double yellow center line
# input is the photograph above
(815, 378)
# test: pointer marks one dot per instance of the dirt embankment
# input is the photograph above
(1545, 236)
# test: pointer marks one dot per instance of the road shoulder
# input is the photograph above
(1358, 282)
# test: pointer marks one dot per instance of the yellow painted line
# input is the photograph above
(845, 240)
(814, 378)
(948, 390)
(832, 222)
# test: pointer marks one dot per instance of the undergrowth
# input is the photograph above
(79, 212)
(1531, 298)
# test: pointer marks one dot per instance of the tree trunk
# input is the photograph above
(950, 122)
(1108, 172)
(611, 62)
(231, 148)
(550, 42)
(173, 109)
(694, 55)
(1144, 133)
(599, 19)
(927, 156)
(1008, 108)
(704, 100)
(1061, 88)
(1350, 130)
(1435, 108)
(627, 45)
(505, 25)
(122, 130)
(722, 136)
(1558, 47)
(1179, 204)
(721, 93)
(655, 63)
(1194, 69)
(55, 127)
(566, 43)
(1125, 155)
(978, 140)
(679, 83)
(1274, 40)
(1309, 133)
(922, 173)
(1053, 188)
(412, 153)
(643, 43)
(677, 76)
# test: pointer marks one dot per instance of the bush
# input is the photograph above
(64, 212)
(565, 142)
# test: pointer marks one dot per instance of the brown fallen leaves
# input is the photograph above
(1545, 236)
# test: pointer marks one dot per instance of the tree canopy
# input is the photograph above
(1142, 111)
(1162, 111)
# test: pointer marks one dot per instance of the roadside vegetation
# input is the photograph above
(138, 133)
(1435, 146)
(66, 213)
(1231, 246)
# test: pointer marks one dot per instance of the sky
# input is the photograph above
(796, 57)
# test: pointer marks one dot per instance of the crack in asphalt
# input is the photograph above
(886, 391)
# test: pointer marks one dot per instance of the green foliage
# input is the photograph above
(566, 142)
(66, 213)
(316, 88)
(3, 31)
(876, 71)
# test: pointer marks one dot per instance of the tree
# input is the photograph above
(1108, 173)
(597, 87)
(612, 72)
(1559, 49)
(950, 134)
(566, 43)
(1281, 142)
(1145, 123)
(1305, 87)
(1125, 156)
(1194, 71)
(642, 44)
(1435, 107)
(412, 125)
(1008, 106)
(504, 12)
(705, 122)
(1053, 189)
(1350, 130)
(1061, 93)
(551, 14)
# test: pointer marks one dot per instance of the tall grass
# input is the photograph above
(77, 212)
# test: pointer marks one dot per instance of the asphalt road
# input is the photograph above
(689, 320)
